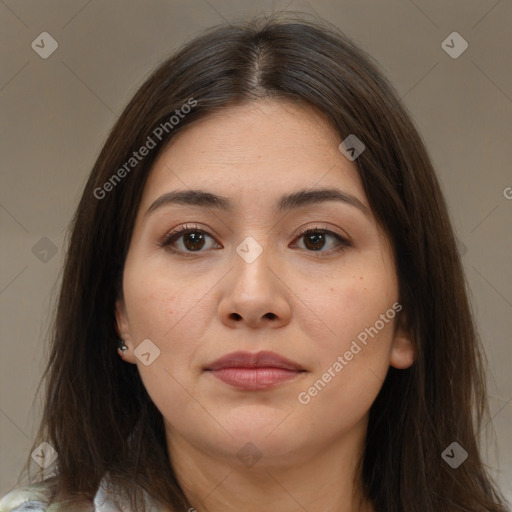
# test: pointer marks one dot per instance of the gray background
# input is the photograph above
(56, 113)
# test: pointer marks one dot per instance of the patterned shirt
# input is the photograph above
(36, 498)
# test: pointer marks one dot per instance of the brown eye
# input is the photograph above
(318, 239)
(314, 241)
(193, 241)
(186, 240)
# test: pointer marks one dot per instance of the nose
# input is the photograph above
(255, 295)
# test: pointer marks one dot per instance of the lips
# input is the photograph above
(254, 360)
(254, 371)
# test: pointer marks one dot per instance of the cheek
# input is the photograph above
(162, 305)
(169, 312)
(172, 312)
(351, 369)
(351, 305)
(352, 356)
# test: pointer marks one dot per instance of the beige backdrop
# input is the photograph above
(57, 110)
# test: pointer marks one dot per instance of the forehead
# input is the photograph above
(259, 149)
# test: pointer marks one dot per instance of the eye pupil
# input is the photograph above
(195, 238)
(317, 239)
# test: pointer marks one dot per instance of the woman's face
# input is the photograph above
(247, 279)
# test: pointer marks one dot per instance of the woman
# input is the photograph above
(263, 307)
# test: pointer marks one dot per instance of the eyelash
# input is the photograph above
(183, 230)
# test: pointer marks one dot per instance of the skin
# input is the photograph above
(198, 307)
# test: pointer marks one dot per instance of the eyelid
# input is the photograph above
(181, 230)
(343, 241)
(323, 228)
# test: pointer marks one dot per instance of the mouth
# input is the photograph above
(254, 371)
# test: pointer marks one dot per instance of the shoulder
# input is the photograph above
(37, 498)
(111, 498)
(33, 498)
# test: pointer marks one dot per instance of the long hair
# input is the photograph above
(97, 414)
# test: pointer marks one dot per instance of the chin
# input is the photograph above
(271, 438)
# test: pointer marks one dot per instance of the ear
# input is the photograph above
(123, 331)
(403, 351)
(122, 325)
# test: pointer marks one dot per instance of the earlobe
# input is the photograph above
(402, 351)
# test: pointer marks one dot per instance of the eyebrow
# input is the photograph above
(286, 202)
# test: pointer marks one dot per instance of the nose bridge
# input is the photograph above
(253, 262)
(255, 293)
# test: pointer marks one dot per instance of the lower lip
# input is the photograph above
(254, 378)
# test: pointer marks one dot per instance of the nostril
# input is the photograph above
(271, 315)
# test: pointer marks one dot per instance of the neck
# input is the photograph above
(319, 478)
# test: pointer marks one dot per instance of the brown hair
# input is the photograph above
(98, 415)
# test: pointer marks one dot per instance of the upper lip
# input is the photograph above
(262, 359)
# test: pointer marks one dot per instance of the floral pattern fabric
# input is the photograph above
(36, 498)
